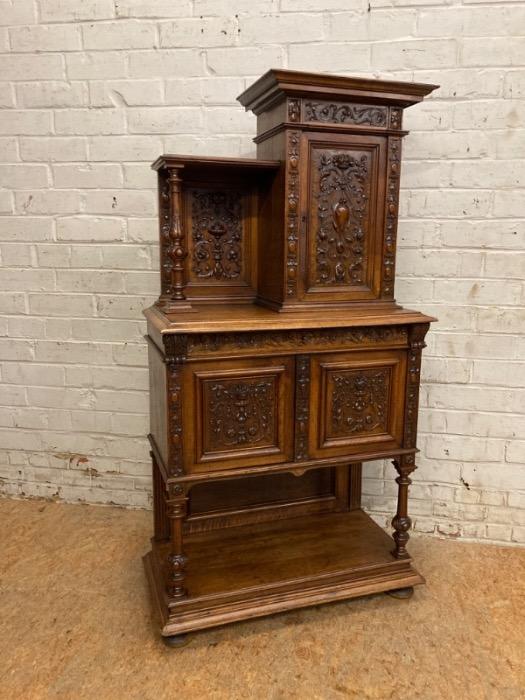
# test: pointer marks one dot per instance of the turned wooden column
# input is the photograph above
(177, 510)
(401, 522)
(173, 245)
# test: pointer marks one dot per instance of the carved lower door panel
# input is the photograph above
(357, 402)
(343, 211)
(238, 413)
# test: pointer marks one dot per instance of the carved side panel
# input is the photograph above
(360, 401)
(216, 239)
(239, 413)
(292, 217)
(302, 406)
(340, 187)
(391, 214)
(328, 112)
(176, 350)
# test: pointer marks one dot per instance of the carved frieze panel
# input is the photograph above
(202, 343)
(359, 402)
(340, 188)
(239, 413)
(216, 235)
(328, 112)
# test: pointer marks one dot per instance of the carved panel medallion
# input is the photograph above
(216, 235)
(240, 413)
(359, 402)
(342, 113)
(340, 185)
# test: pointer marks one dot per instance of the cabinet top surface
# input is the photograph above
(169, 160)
(215, 318)
(280, 81)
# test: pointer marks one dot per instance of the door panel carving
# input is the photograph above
(357, 401)
(242, 412)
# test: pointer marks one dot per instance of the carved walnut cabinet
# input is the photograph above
(279, 360)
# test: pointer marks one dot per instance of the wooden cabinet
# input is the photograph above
(280, 361)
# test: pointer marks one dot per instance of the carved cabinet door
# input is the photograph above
(238, 413)
(343, 202)
(356, 402)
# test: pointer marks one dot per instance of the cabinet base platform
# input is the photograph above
(245, 572)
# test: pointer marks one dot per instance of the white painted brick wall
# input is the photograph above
(91, 92)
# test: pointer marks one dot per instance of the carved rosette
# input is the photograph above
(342, 186)
(216, 234)
(240, 413)
(416, 345)
(294, 110)
(396, 116)
(343, 113)
(392, 204)
(292, 208)
(302, 406)
(176, 350)
(360, 402)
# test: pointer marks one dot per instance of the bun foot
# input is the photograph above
(402, 593)
(176, 640)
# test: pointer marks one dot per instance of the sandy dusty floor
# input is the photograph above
(75, 622)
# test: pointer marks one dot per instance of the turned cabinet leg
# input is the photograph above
(177, 509)
(401, 523)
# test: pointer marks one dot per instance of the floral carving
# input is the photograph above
(360, 401)
(294, 110)
(216, 234)
(164, 230)
(341, 113)
(341, 185)
(240, 413)
(175, 421)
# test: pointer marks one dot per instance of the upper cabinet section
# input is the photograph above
(335, 213)
(312, 221)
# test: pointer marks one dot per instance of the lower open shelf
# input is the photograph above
(250, 571)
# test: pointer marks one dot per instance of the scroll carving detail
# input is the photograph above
(342, 113)
(342, 186)
(302, 406)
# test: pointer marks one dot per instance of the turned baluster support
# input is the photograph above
(173, 245)
(177, 510)
(401, 522)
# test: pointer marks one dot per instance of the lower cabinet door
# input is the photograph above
(356, 402)
(238, 413)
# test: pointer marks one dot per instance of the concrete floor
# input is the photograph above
(75, 622)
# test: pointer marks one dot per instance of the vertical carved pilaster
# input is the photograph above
(177, 510)
(405, 465)
(391, 214)
(416, 342)
(302, 406)
(175, 347)
(292, 207)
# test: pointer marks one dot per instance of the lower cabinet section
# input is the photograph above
(356, 402)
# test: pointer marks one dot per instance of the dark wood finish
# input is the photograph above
(260, 421)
